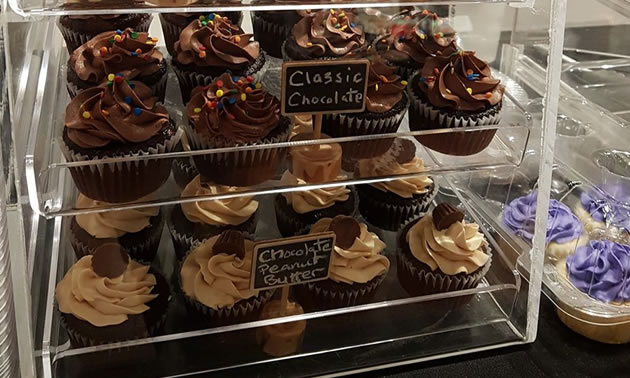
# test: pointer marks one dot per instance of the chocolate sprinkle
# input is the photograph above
(404, 150)
(230, 242)
(346, 230)
(110, 260)
(444, 215)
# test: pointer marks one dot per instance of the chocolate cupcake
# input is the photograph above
(138, 230)
(79, 29)
(325, 34)
(107, 298)
(390, 204)
(385, 107)
(230, 112)
(467, 95)
(193, 222)
(441, 252)
(271, 28)
(357, 266)
(413, 38)
(208, 47)
(174, 23)
(130, 52)
(320, 163)
(215, 281)
(118, 119)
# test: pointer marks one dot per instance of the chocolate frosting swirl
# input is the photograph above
(329, 33)
(460, 82)
(115, 112)
(216, 42)
(418, 37)
(135, 54)
(232, 111)
(385, 89)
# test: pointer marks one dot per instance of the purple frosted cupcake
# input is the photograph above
(564, 230)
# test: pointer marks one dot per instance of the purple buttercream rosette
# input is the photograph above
(603, 209)
(562, 225)
(601, 270)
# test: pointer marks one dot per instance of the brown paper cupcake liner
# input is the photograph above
(245, 167)
(158, 89)
(269, 34)
(323, 295)
(75, 39)
(122, 181)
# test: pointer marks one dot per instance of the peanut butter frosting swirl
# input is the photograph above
(113, 224)
(460, 82)
(385, 88)
(213, 41)
(116, 51)
(457, 249)
(232, 211)
(387, 166)
(233, 110)
(329, 33)
(217, 280)
(103, 301)
(114, 112)
(309, 200)
(361, 262)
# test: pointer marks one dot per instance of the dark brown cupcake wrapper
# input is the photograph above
(158, 89)
(75, 39)
(122, 181)
(244, 167)
(321, 297)
(269, 34)
(184, 171)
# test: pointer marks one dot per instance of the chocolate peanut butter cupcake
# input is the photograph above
(385, 107)
(441, 252)
(130, 52)
(107, 297)
(193, 222)
(208, 47)
(271, 28)
(325, 34)
(236, 111)
(118, 119)
(467, 95)
(79, 29)
(138, 230)
(413, 38)
(390, 204)
(357, 266)
(215, 280)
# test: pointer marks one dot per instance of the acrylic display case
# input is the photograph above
(395, 308)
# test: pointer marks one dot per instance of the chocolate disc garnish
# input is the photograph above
(404, 150)
(444, 215)
(346, 230)
(230, 242)
(110, 260)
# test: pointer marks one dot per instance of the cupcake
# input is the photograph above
(137, 230)
(209, 47)
(385, 107)
(130, 52)
(377, 22)
(413, 38)
(215, 280)
(107, 298)
(174, 23)
(441, 252)
(320, 163)
(118, 119)
(390, 204)
(356, 270)
(325, 34)
(564, 230)
(602, 214)
(467, 95)
(272, 27)
(232, 112)
(601, 270)
(193, 222)
(78, 29)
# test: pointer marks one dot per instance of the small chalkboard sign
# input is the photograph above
(291, 261)
(322, 86)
